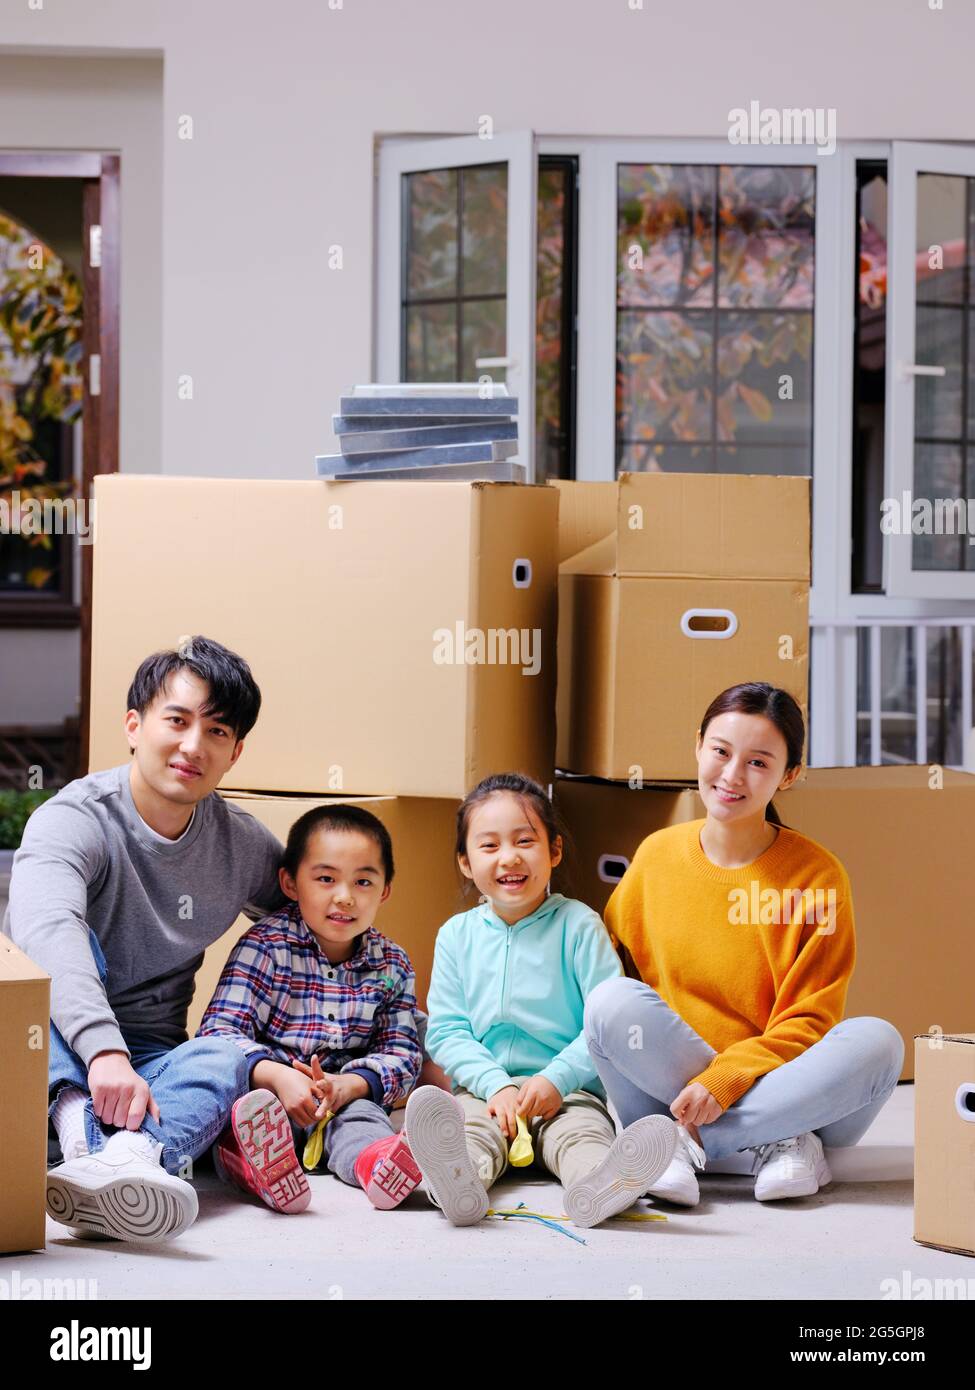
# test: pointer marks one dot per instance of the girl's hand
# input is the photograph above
(695, 1106)
(538, 1097)
(503, 1106)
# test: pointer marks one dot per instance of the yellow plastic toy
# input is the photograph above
(521, 1153)
(315, 1144)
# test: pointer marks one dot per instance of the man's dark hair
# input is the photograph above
(234, 696)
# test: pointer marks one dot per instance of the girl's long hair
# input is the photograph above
(759, 697)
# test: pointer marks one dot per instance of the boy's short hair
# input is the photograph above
(341, 817)
(234, 695)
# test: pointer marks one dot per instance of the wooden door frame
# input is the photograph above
(100, 175)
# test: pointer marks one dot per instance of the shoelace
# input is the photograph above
(763, 1151)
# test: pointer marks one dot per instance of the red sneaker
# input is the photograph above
(257, 1153)
(387, 1171)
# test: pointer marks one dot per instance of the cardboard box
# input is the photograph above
(25, 1008)
(673, 586)
(944, 1141)
(427, 883)
(903, 844)
(360, 607)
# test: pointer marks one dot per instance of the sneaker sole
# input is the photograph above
(637, 1156)
(262, 1129)
(393, 1178)
(132, 1209)
(435, 1128)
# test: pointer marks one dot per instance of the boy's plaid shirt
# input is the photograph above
(281, 997)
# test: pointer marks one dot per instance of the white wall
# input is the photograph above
(287, 100)
(112, 105)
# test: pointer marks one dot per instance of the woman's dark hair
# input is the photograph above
(341, 817)
(533, 797)
(759, 697)
(234, 697)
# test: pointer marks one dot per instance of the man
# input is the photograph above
(122, 880)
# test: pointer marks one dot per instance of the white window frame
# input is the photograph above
(398, 156)
(909, 159)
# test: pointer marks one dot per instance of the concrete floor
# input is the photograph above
(839, 1244)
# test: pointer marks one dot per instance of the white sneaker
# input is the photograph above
(435, 1133)
(122, 1195)
(635, 1159)
(791, 1168)
(678, 1182)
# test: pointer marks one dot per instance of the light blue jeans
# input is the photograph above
(194, 1086)
(835, 1089)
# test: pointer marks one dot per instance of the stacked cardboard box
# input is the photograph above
(673, 586)
(403, 636)
(25, 1006)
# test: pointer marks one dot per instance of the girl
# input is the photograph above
(510, 979)
(740, 932)
(318, 981)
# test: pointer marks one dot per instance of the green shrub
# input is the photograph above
(15, 807)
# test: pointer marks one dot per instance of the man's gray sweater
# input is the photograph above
(88, 859)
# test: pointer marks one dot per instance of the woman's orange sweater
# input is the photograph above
(757, 959)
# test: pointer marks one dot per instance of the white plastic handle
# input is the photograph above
(965, 1101)
(729, 631)
(523, 579)
(605, 859)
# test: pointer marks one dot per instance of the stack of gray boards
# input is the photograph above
(457, 430)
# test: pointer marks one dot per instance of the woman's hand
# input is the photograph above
(695, 1106)
(503, 1105)
(538, 1097)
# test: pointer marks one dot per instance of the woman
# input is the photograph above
(741, 932)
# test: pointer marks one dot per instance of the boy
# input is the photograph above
(121, 882)
(317, 980)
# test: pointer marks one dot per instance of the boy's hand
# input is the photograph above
(331, 1091)
(538, 1097)
(298, 1096)
(503, 1105)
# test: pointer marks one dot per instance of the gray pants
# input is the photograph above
(354, 1128)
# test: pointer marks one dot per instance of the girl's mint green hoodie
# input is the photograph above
(508, 1001)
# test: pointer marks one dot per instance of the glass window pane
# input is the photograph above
(484, 324)
(773, 459)
(938, 480)
(554, 318)
(665, 458)
(431, 231)
(665, 235)
(431, 342)
(664, 375)
(937, 399)
(484, 239)
(941, 259)
(869, 375)
(765, 241)
(765, 378)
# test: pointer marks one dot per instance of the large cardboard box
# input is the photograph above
(402, 633)
(944, 1141)
(427, 882)
(903, 842)
(673, 586)
(25, 1008)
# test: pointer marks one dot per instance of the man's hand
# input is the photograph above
(695, 1106)
(538, 1097)
(503, 1105)
(119, 1095)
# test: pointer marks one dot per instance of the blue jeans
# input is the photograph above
(194, 1085)
(835, 1089)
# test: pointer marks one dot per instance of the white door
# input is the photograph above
(456, 266)
(930, 457)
